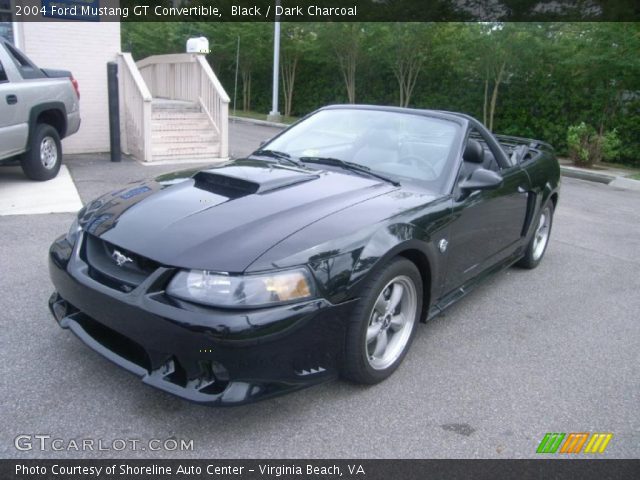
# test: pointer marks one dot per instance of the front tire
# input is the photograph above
(383, 323)
(43, 160)
(538, 244)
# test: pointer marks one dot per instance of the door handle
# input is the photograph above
(12, 99)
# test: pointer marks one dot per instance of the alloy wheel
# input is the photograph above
(542, 234)
(391, 322)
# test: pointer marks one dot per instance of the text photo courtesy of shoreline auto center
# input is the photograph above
(319, 239)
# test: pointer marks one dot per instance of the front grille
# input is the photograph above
(102, 258)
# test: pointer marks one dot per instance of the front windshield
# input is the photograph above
(401, 146)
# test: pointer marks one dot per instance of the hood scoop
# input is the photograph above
(226, 186)
(235, 181)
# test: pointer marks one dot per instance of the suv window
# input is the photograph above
(3, 75)
(25, 66)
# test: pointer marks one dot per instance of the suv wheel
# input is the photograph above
(43, 160)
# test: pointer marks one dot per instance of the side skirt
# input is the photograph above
(460, 292)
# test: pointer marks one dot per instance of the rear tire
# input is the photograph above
(384, 323)
(540, 240)
(43, 159)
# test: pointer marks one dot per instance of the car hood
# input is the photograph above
(222, 218)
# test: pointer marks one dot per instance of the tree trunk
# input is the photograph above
(348, 65)
(486, 99)
(412, 79)
(494, 95)
(246, 90)
(351, 87)
(289, 67)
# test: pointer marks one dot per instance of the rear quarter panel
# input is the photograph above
(544, 175)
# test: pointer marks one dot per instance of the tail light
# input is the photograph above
(74, 82)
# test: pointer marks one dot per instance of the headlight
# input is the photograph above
(74, 231)
(222, 290)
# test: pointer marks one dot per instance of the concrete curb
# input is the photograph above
(254, 121)
(587, 175)
(606, 178)
(626, 183)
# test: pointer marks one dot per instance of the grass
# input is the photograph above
(261, 116)
(635, 176)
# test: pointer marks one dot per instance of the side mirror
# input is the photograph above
(481, 179)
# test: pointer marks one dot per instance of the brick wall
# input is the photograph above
(84, 48)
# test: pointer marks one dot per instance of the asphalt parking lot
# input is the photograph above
(555, 349)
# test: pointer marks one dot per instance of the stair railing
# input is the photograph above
(135, 118)
(189, 77)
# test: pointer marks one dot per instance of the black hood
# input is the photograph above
(224, 217)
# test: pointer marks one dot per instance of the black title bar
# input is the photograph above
(327, 10)
(584, 469)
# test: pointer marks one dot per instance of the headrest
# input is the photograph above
(473, 152)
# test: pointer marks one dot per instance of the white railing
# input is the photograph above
(135, 117)
(189, 77)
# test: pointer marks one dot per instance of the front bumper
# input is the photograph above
(218, 357)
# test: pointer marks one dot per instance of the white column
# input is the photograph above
(274, 114)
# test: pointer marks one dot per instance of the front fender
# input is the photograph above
(341, 276)
(392, 241)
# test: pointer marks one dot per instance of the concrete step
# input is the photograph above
(181, 126)
(170, 109)
(187, 158)
(187, 140)
(179, 115)
(187, 149)
(202, 136)
(162, 105)
(180, 131)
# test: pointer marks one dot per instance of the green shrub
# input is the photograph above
(587, 147)
(611, 145)
(579, 139)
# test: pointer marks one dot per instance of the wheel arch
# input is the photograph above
(51, 113)
(420, 260)
(383, 248)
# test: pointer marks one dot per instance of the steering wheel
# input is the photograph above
(419, 163)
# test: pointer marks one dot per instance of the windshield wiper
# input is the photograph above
(278, 156)
(355, 167)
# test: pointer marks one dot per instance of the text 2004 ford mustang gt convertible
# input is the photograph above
(317, 255)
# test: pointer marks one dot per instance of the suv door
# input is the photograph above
(487, 224)
(14, 127)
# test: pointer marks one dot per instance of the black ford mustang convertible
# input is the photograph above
(316, 256)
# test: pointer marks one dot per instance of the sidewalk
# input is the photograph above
(615, 177)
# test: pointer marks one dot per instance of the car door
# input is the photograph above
(486, 225)
(13, 128)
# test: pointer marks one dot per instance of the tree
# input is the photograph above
(298, 41)
(346, 40)
(494, 55)
(604, 56)
(255, 43)
(143, 39)
(406, 48)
